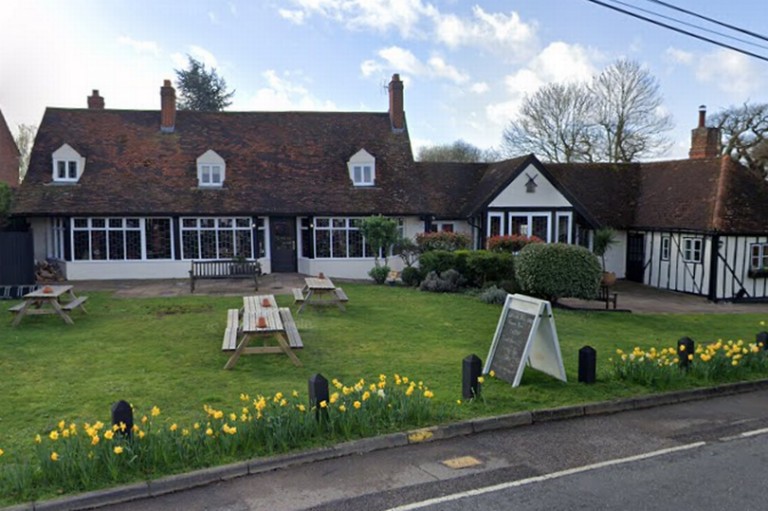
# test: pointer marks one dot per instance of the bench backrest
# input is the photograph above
(225, 267)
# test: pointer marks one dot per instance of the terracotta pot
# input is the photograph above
(261, 322)
(47, 289)
(265, 303)
(321, 275)
(609, 278)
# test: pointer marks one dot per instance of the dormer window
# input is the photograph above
(68, 165)
(211, 170)
(362, 168)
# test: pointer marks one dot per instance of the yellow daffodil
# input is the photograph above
(65, 433)
(144, 419)
(366, 395)
(155, 411)
(174, 427)
(232, 417)
(141, 434)
(492, 374)
(62, 424)
(2, 452)
(334, 397)
(54, 456)
(428, 394)
(54, 435)
(38, 439)
(244, 397)
(196, 425)
(480, 379)
(342, 408)
(118, 450)
(95, 440)
(302, 408)
(185, 432)
(323, 404)
(209, 432)
(357, 405)
(108, 435)
(295, 393)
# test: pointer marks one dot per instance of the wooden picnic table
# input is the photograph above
(320, 291)
(278, 325)
(59, 300)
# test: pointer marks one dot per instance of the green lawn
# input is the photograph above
(166, 352)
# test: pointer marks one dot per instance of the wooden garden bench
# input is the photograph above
(340, 294)
(224, 269)
(77, 302)
(298, 295)
(294, 339)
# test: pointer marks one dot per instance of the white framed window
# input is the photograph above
(692, 250)
(759, 257)
(57, 232)
(340, 238)
(218, 238)
(442, 227)
(68, 165)
(530, 224)
(121, 239)
(362, 168)
(495, 224)
(211, 169)
(563, 226)
(665, 245)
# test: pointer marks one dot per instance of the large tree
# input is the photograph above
(459, 151)
(24, 140)
(200, 89)
(745, 134)
(554, 123)
(617, 117)
(629, 113)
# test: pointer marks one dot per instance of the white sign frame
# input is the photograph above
(542, 348)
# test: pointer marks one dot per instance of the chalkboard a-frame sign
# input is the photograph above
(526, 333)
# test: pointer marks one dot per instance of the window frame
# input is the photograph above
(218, 231)
(693, 250)
(665, 250)
(103, 232)
(210, 165)
(362, 169)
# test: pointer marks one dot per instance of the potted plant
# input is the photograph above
(604, 238)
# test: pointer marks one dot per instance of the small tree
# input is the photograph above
(605, 237)
(557, 270)
(200, 89)
(381, 234)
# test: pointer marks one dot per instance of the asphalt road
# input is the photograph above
(530, 461)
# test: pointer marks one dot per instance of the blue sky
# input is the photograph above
(466, 65)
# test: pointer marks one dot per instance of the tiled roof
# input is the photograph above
(277, 163)
(448, 187)
(9, 155)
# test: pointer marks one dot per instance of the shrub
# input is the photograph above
(450, 241)
(407, 250)
(482, 267)
(513, 243)
(379, 274)
(447, 282)
(411, 276)
(557, 270)
(493, 295)
(437, 261)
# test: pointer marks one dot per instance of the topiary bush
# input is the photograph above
(558, 270)
(379, 274)
(447, 282)
(493, 295)
(411, 276)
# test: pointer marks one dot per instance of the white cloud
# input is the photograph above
(282, 93)
(679, 56)
(504, 33)
(402, 60)
(203, 55)
(294, 16)
(479, 88)
(733, 73)
(150, 47)
(378, 15)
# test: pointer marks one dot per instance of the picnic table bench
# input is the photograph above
(224, 269)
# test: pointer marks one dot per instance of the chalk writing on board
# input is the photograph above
(511, 344)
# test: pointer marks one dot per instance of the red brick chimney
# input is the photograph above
(95, 102)
(396, 113)
(168, 107)
(705, 142)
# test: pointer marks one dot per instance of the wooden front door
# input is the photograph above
(283, 244)
(636, 256)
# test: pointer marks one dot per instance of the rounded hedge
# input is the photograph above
(558, 270)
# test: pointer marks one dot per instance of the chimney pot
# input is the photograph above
(702, 116)
(167, 107)
(95, 102)
(705, 142)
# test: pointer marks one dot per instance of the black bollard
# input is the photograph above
(471, 368)
(685, 347)
(318, 392)
(762, 337)
(122, 413)
(587, 364)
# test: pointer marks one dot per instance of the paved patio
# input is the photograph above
(633, 297)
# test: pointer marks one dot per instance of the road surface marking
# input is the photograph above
(746, 434)
(545, 477)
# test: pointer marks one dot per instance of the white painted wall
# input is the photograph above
(616, 256)
(677, 274)
(515, 195)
